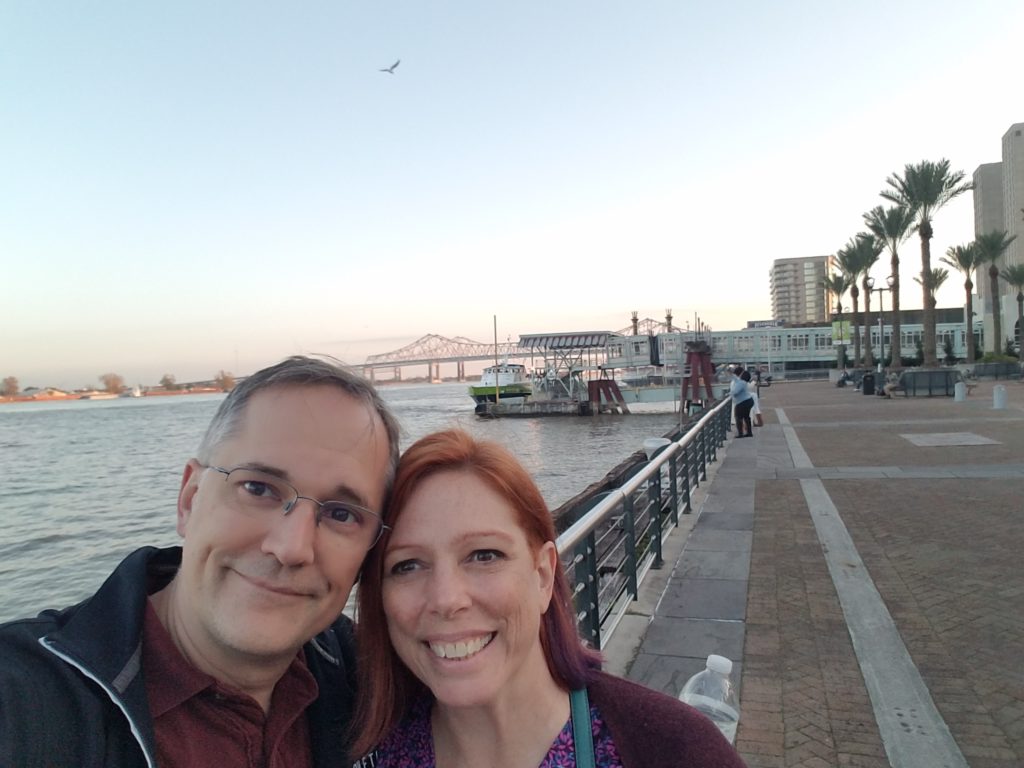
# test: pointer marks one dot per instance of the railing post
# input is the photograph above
(585, 557)
(654, 504)
(673, 487)
(686, 479)
(629, 520)
(703, 453)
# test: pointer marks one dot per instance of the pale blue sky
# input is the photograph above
(192, 186)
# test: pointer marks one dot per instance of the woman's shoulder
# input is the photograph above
(620, 693)
(650, 728)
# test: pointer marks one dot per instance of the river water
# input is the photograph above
(84, 482)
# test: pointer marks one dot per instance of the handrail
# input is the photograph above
(611, 548)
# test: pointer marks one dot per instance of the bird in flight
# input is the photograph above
(391, 70)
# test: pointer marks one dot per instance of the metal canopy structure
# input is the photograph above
(562, 375)
(541, 342)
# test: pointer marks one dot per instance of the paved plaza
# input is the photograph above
(859, 559)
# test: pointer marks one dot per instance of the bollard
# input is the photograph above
(999, 397)
(959, 392)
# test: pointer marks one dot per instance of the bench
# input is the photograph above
(1002, 370)
(929, 383)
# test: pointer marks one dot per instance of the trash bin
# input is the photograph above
(867, 384)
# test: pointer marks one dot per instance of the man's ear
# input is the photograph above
(547, 566)
(190, 477)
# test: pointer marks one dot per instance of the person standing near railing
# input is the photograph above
(743, 401)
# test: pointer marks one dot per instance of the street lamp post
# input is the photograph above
(881, 313)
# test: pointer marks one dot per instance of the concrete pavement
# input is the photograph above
(858, 560)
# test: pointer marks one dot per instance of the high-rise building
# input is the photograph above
(798, 289)
(999, 205)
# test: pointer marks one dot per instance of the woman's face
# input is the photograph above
(464, 592)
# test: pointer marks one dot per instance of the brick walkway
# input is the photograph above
(937, 530)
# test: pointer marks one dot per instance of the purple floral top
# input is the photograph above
(411, 744)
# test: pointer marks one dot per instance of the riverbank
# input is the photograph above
(63, 396)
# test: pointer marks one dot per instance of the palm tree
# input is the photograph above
(855, 259)
(925, 188)
(935, 280)
(868, 251)
(836, 284)
(1014, 275)
(892, 226)
(849, 268)
(991, 246)
(965, 258)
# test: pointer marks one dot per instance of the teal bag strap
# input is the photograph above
(582, 735)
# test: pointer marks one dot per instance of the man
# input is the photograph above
(231, 650)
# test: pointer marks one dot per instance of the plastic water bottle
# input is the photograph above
(710, 692)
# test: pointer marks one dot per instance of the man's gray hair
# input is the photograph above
(300, 370)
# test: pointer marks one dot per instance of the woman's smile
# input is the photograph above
(462, 649)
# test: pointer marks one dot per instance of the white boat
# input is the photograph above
(98, 396)
(509, 380)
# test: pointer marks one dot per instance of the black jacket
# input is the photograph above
(72, 691)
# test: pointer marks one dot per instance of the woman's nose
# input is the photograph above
(449, 591)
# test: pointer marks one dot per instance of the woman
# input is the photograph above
(467, 641)
(755, 409)
(743, 401)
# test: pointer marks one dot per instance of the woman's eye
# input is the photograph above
(403, 567)
(486, 556)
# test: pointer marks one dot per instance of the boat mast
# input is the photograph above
(497, 371)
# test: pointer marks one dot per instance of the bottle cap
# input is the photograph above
(719, 664)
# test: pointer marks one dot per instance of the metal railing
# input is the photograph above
(608, 552)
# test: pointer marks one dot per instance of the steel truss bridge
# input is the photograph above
(431, 350)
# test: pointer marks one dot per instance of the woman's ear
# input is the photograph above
(547, 566)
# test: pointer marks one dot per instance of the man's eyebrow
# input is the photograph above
(341, 492)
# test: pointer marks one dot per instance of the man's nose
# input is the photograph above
(292, 535)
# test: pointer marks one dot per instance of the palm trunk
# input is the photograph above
(969, 288)
(997, 311)
(869, 359)
(928, 342)
(856, 328)
(841, 352)
(896, 347)
(1020, 326)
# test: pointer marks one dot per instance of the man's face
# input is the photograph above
(253, 587)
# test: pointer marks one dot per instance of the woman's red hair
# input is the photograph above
(386, 687)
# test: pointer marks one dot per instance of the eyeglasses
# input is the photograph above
(258, 493)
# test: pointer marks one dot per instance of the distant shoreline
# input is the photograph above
(66, 396)
(44, 398)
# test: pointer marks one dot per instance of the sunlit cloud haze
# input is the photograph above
(189, 187)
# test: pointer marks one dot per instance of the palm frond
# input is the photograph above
(892, 225)
(925, 186)
(991, 245)
(962, 257)
(1014, 275)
